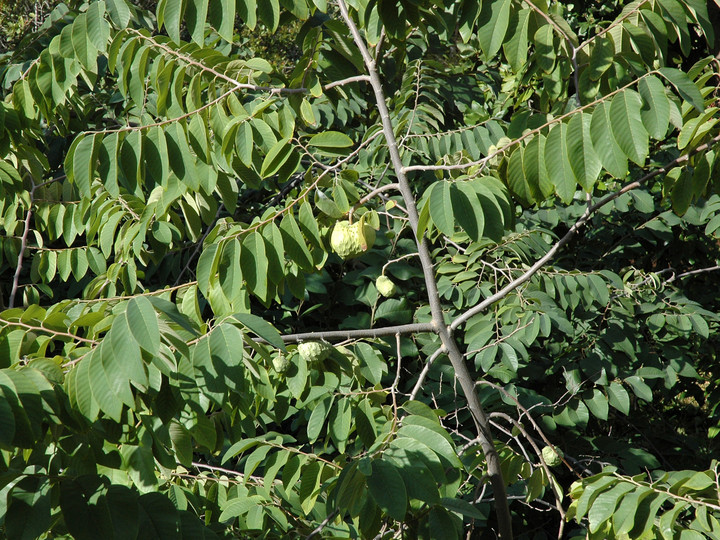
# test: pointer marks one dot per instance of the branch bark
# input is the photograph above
(370, 333)
(482, 422)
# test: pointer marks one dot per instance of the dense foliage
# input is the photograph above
(360, 269)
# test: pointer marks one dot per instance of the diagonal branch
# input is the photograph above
(482, 306)
(482, 422)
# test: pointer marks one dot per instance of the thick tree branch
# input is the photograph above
(370, 333)
(462, 374)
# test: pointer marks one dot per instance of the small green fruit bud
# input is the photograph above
(553, 458)
(385, 286)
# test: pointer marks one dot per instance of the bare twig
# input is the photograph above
(48, 331)
(693, 273)
(554, 486)
(423, 374)
(349, 80)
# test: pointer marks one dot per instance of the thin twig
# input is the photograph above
(554, 486)
(692, 273)
(426, 369)
(48, 331)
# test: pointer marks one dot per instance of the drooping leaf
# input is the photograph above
(627, 127)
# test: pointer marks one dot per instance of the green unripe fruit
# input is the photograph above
(385, 286)
(314, 351)
(553, 458)
(281, 363)
(351, 241)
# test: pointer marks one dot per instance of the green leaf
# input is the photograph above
(101, 388)
(108, 164)
(239, 506)
(388, 489)
(97, 27)
(604, 506)
(295, 243)
(159, 518)
(7, 420)
(269, 13)
(612, 157)
(584, 162)
(495, 18)
(656, 107)
(428, 435)
(318, 416)
(619, 397)
(142, 321)
(276, 158)
(601, 57)
(244, 143)
(156, 156)
(441, 524)
(330, 139)
(462, 507)
(516, 48)
(684, 86)
(627, 127)
(81, 160)
(85, 51)
(441, 209)
(309, 484)
(247, 11)
(340, 423)
(262, 328)
(195, 16)
(253, 262)
(85, 508)
(173, 17)
(119, 12)
(29, 506)
(468, 209)
(557, 160)
(598, 404)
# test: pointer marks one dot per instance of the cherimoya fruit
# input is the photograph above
(281, 363)
(350, 241)
(385, 286)
(552, 457)
(314, 351)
